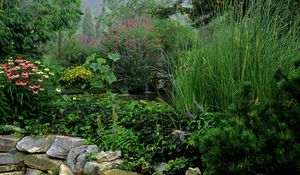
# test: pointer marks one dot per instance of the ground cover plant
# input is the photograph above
(230, 74)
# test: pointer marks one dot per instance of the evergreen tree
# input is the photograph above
(88, 28)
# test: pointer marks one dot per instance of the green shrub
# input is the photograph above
(177, 166)
(76, 77)
(257, 137)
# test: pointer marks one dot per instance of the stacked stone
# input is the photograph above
(55, 154)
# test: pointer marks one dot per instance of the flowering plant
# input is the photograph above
(22, 86)
(76, 77)
(139, 46)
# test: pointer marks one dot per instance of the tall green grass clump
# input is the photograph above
(242, 46)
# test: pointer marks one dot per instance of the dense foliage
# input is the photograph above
(225, 112)
(24, 28)
(256, 134)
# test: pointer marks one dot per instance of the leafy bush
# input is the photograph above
(257, 137)
(24, 28)
(176, 166)
(103, 73)
(77, 77)
(24, 90)
(136, 42)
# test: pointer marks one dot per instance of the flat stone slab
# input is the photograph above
(119, 172)
(9, 158)
(7, 142)
(62, 145)
(13, 173)
(33, 144)
(42, 162)
(8, 168)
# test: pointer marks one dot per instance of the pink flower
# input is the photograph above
(19, 60)
(40, 80)
(34, 86)
(35, 92)
(25, 75)
(21, 83)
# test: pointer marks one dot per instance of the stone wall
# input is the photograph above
(32, 155)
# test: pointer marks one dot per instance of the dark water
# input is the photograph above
(146, 96)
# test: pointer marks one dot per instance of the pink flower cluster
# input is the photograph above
(23, 73)
(133, 38)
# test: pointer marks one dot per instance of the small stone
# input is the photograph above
(42, 162)
(193, 171)
(62, 145)
(35, 144)
(77, 156)
(119, 172)
(7, 142)
(160, 167)
(30, 171)
(96, 168)
(108, 156)
(65, 170)
(9, 158)
(13, 173)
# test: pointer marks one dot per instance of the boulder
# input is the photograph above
(33, 172)
(193, 171)
(62, 145)
(108, 156)
(77, 156)
(65, 170)
(42, 162)
(10, 158)
(33, 144)
(119, 172)
(13, 173)
(7, 142)
(96, 168)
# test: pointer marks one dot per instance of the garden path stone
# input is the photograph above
(7, 142)
(119, 172)
(193, 171)
(108, 156)
(42, 162)
(96, 168)
(13, 173)
(30, 171)
(65, 170)
(9, 158)
(77, 156)
(62, 145)
(33, 144)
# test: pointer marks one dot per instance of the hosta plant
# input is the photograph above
(23, 89)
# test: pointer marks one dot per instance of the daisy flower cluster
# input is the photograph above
(23, 73)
